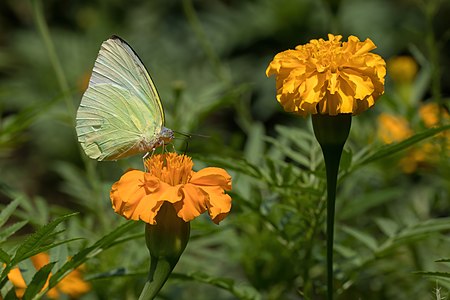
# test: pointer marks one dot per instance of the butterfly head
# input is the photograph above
(166, 135)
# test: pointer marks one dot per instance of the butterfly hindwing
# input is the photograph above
(120, 113)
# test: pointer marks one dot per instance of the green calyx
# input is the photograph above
(331, 130)
(166, 241)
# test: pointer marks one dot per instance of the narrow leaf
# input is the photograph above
(37, 239)
(8, 210)
(4, 257)
(394, 148)
(445, 275)
(38, 281)
(364, 238)
(240, 291)
(7, 232)
(102, 244)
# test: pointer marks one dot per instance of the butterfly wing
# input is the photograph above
(120, 113)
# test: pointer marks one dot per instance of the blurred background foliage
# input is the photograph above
(208, 60)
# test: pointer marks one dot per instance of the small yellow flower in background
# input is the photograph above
(72, 285)
(430, 113)
(139, 195)
(393, 128)
(329, 77)
(402, 69)
(420, 156)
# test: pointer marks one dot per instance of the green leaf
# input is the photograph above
(38, 281)
(8, 210)
(7, 232)
(101, 245)
(444, 275)
(387, 226)
(240, 291)
(394, 148)
(289, 152)
(37, 239)
(4, 257)
(413, 233)
(361, 204)
(364, 238)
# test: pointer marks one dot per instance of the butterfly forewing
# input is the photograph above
(120, 113)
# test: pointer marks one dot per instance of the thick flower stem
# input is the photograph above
(331, 132)
(332, 158)
(160, 270)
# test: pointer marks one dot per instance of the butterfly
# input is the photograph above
(120, 113)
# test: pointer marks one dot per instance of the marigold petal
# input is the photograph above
(212, 177)
(138, 196)
(218, 203)
(15, 276)
(193, 203)
(74, 285)
(308, 75)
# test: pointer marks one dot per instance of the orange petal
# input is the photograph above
(193, 203)
(212, 177)
(39, 260)
(73, 285)
(138, 196)
(16, 279)
(218, 203)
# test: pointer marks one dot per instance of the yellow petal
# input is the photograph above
(317, 70)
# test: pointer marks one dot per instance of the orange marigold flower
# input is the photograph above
(169, 178)
(393, 128)
(402, 68)
(329, 77)
(430, 113)
(72, 285)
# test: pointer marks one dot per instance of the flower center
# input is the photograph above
(170, 168)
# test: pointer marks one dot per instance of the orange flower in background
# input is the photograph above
(139, 195)
(72, 285)
(329, 77)
(393, 128)
(430, 113)
(402, 68)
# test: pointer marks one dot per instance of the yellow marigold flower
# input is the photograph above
(430, 114)
(72, 285)
(329, 77)
(402, 68)
(139, 195)
(393, 128)
(424, 155)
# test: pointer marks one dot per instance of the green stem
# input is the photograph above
(160, 270)
(331, 132)
(311, 237)
(44, 32)
(332, 156)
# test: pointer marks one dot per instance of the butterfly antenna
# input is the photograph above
(186, 147)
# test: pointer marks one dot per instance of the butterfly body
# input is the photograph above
(120, 113)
